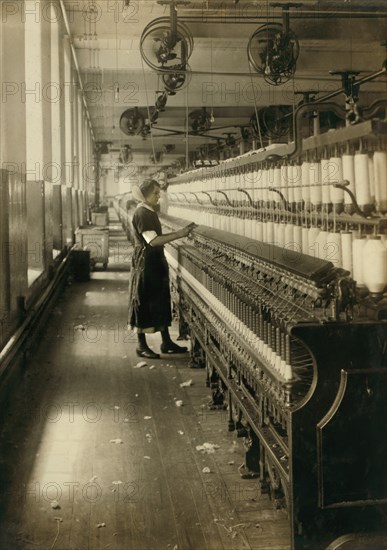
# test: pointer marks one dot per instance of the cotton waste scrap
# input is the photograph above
(207, 448)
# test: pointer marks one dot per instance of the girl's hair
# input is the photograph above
(147, 186)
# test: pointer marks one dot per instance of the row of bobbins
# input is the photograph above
(268, 341)
(308, 183)
(364, 256)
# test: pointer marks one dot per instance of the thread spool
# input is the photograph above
(252, 223)
(259, 231)
(275, 227)
(246, 223)
(281, 234)
(228, 222)
(305, 189)
(333, 249)
(305, 240)
(246, 178)
(227, 182)
(325, 193)
(270, 183)
(220, 222)
(315, 184)
(247, 227)
(264, 232)
(357, 260)
(235, 228)
(288, 237)
(265, 181)
(371, 173)
(241, 225)
(278, 363)
(257, 185)
(297, 238)
(321, 242)
(283, 368)
(346, 251)
(289, 183)
(384, 240)
(362, 182)
(380, 170)
(349, 175)
(375, 265)
(269, 232)
(251, 183)
(312, 241)
(296, 174)
(284, 181)
(288, 374)
(277, 184)
(232, 222)
(335, 174)
(235, 182)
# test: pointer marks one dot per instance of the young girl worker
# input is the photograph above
(149, 293)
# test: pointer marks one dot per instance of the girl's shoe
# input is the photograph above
(171, 347)
(147, 353)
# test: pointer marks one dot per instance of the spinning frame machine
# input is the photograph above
(296, 351)
(293, 337)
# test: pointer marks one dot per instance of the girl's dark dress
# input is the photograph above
(149, 294)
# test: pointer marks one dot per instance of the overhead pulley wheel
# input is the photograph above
(173, 82)
(273, 50)
(132, 121)
(200, 121)
(274, 122)
(165, 46)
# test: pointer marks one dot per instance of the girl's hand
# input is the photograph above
(185, 231)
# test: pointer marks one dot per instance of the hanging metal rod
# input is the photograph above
(246, 74)
(241, 12)
(68, 31)
(252, 19)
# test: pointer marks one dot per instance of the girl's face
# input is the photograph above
(153, 198)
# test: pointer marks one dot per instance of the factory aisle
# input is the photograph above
(96, 453)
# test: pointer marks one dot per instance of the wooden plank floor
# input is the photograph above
(79, 395)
